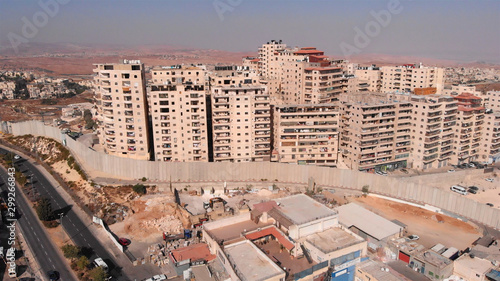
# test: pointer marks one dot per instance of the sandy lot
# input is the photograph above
(450, 232)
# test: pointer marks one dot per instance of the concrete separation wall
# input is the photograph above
(398, 188)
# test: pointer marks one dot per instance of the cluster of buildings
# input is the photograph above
(298, 238)
(37, 87)
(294, 105)
(463, 75)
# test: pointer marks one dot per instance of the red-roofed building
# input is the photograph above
(192, 254)
(470, 124)
(275, 233)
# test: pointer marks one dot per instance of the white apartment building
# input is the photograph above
(120, 93)
(177, 104)
(407, 78)
(469, 130)
(433, 132)
(376, 131)
(490, 139)
(306, 134)
(492, 100)
(241, 123)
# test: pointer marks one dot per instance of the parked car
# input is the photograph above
(382, 173)
(53, 275)
(451, 171)
(124, 241)
(489, 204)
(413, 237)
(489, 179)
(17, 157)
(474, 187)
(473, 191)
(404, 171)
(463, 166)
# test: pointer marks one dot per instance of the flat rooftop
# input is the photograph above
(250, 263)
(374, 268)
(434, 259)
(234, 231)
(301, 209)
(193, 252)
(372, 224)
(333, 239)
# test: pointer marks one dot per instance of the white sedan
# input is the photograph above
(489, 179)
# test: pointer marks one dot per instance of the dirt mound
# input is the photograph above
(155, 216)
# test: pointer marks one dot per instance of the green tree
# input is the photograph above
(365, 190)
(89, 122)
(44, 209)
(139, 189)
(98, 274)
(71, 251)
(82, 263)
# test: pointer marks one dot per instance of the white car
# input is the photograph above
(489, 179)
(17, 157)
(413, 237)
(451, 171)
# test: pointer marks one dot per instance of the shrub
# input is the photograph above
(50, 224)
(139, 189)
(71, 251)
(365, 190)
(44, 209)
(98, 274)
(144, 179)
(82, 263)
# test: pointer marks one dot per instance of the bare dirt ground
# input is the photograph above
(448, 231)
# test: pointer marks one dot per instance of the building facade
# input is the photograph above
(407, 78)
(470, 124)
(375, 131)
(241, 124)
(306, 134)
(178, 115)
(433, 131)
(120, 93)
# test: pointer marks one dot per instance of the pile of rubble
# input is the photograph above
(168, 223)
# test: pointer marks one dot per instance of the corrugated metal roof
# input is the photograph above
(369, 222)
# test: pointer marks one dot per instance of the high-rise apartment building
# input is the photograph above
(300, 76)
(490, 139)
(407, 78)
(492, 100)
(233, 75)
(469, 130)
(306, 134)
(241, 123)
(368, 78)
(177, 104)
(376, 131)
(120, 93)
(433, 135)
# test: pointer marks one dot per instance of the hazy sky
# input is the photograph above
(467, 30)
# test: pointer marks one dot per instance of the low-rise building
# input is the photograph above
(371, 270)
(372, 227)
(472, 268)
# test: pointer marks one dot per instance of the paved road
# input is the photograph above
(40, 244)
(74, 227)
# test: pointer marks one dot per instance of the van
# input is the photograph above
(99, 262)
(459, 189)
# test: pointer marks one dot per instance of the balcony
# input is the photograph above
(129, 113)
(130, 134)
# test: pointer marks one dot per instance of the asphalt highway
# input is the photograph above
(76, 229)
(40, 244)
